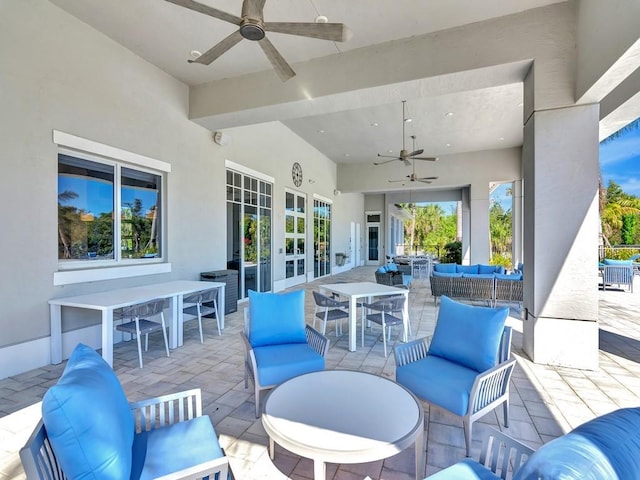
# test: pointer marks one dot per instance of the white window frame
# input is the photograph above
(78, 272)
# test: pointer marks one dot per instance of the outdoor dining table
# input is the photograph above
(108, 301)
(367, 290)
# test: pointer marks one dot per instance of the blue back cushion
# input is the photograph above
(469, 269)
(601, 449)
(468, 335)
(444, 267)
(608, 261)
(382, 269)
(486, 269)
(276, 318)
(88, 419)
(392, 267)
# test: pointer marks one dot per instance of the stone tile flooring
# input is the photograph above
(545, 401)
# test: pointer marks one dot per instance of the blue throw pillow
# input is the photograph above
(468, 335)
(604, 448)
(392, 267)
(382, 269)
(608, 261)
(276, 318)
(88, 419)
(472, 269)
(444, 267)
(445, 274)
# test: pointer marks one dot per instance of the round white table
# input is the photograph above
(344, 416)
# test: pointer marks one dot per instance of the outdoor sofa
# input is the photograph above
(488, 284)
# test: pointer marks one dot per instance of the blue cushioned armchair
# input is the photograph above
(465, 368)
(278, 344)
(89, 430)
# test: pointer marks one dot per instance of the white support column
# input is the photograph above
(464, 225)
(480, 241)
(560, 163)
(516, 222)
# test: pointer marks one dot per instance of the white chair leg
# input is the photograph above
(324, 323)
(467, 424)
(384, 335)
(315, 312)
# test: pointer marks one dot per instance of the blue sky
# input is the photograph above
(620, 160)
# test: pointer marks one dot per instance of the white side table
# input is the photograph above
(343, 416)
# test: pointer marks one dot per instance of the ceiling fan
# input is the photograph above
(253, 27)
(413, 177)
(404, 155)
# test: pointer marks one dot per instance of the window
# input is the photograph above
(89, 192)
(110, 212)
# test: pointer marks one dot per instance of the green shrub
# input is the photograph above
(452, 253)
(499, 259)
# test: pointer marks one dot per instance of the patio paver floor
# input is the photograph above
(545, 401)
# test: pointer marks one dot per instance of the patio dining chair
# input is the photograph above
(141, 325)
(387, 313)
(330, 309)
(203, 303)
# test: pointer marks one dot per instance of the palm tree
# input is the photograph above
(62, 198)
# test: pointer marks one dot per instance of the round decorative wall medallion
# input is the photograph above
(296, 174)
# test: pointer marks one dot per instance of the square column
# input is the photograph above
(560, 164)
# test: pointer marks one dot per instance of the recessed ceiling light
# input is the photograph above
(447, 145)
(501, 139)
(448, 114)
(195, 53)
(374, 124)
(389, 151)
(347, 154)
(320, 131)
(408, 120)
(521, 104)
(321, 19)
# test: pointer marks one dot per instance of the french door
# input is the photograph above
(249, 231)
(373, 238)
(295, 231)
(321, 238)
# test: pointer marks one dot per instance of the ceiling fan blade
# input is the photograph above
(393, 159)
(427, 178)
(429, 159)
(336, 32)
(207, 10)
(280, 65)
(423, 181)
(394, 181)
(253, 9)
(214, 52)
(415, 152)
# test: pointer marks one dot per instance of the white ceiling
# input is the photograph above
(164, 34)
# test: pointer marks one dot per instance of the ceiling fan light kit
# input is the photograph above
(251, 26)
(405, 156)
(413, 177)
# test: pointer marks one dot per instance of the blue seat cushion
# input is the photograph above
(276, 318)
(277, 363)
(407, 279)
(605, 448)
(472, 269)
(444, 267)
(174, 447)
(468, 334)
(446, 274)
(511, 276)
(88, 419)
(439, 381)
(479, 275)
(609, 261)
(467, 469)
